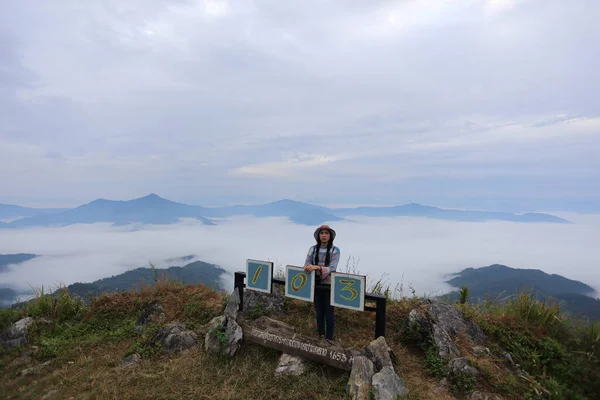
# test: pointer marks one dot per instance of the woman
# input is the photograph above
(323, 258)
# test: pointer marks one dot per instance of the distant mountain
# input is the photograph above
(153, 209)
(150, 209)
(502, 282)
(296, 211)
(12, 211)
(8, 259)
(7, 295)
(179, 260)
(193, 273)
(418, 210)
(313, 217)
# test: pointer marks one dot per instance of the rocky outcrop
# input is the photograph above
(438, 324)
(16, 335)
(380, 353)
(26, 357)
(462, 366)
(224, 335)
(484, 396)
(50, 394)
(130, 361)
(388, 385)
(359, 384)
(35, 369)
(481, 351)
(233, 305)
(290, 365)
(259, 303)
(441, 322)
(151, 313)
(175, 337)
(374, 372)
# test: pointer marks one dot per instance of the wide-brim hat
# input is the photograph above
(319, 229)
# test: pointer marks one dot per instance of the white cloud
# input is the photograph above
(299, 166)
(411, 251)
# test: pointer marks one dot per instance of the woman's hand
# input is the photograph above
(310, 268)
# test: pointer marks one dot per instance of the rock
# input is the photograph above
(272, 325)
(224, 336)
(213, 339)
(233, 305)
(379, 353)
(50, 394)
(481, 351)
(356, 352)
(152, 312)
(520, 371)
(263, 303)
(234, 334)
(130, 361)
(508, 357)
(484, 396)
(359, 384)
(462, 366)
(441, 322)
(290, 365)
(176, 337)
(16, 335)
(25, 358)
(34, 370)
(388, 385)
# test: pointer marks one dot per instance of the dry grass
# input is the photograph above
(85, 352)
(353, 329)
(356, 330)
(176, 299)
(86, 366)
(190, 375)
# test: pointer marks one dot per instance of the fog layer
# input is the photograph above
(412, 252)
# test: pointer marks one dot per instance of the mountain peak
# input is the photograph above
(152, 198)
(287, 201)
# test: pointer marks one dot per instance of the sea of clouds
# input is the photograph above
(406, 252)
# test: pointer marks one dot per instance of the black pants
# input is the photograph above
(324, 311)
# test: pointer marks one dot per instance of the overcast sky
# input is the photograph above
(480, 103)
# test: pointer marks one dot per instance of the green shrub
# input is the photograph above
(9, 316)
(436, 365)
(544, 314)
(463, 295)
(59, 306)
(197, 312)
(462, 384)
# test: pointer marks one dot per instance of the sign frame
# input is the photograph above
(269, 265)
(362, 294)
(310, 282)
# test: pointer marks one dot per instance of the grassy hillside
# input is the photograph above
(84, 345)
(195, 272)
